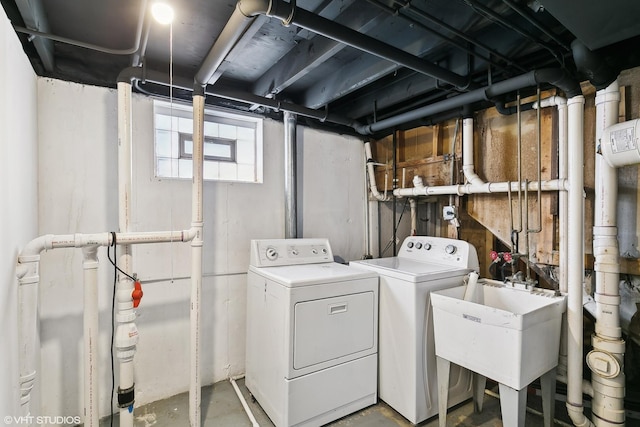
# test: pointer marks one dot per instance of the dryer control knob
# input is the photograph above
(418, 245)
(427, 246)
(271, 253)
(450, 249)
(410, 245)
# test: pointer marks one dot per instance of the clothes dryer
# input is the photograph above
(312, 333)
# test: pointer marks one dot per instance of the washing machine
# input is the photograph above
(312, 333)
(406, 350)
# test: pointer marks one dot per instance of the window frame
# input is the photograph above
(232, 143)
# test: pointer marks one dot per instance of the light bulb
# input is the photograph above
(162, 12)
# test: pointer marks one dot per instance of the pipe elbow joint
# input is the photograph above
(252, 8)
(560, 79)
(31, 251)
(130, 74)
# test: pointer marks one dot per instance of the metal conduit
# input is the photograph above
(462, 35)
(447, 39)
(129, 51)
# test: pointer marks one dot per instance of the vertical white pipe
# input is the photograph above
(126, 337)
(575, 270)
(372, 175)
(196, 261)
(414, 216)
(28, 279)
(90, 339)
(290, 190)
(563, 164)
(608, 380)
(468, 167)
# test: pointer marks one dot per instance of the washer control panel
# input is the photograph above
(276, 252)
(439, 250)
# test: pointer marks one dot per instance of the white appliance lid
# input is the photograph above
(312, 274)
(410, 270)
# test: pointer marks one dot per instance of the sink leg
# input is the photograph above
(548, 384)
(479, 383)
(513, 404)
(443, 367)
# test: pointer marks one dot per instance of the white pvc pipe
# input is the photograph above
(243, 401)
(372, 176)
(196, 261)
(608, 380)
(485, 188)
(575, 268)
(467, 154)
(126, 335)
(414, 216)
(28, 278)
(90, 339)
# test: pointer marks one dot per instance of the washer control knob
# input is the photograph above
(324, 251)
(427, 246)
(418, 245)
(314, 251)
(410, 245)
(294, 252)
(450, 249)
(272, 253)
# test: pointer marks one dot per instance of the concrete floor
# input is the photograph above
(221, 407)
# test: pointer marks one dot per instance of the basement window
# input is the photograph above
(232, 144)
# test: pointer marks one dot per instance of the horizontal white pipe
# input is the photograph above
(52, 241)
(552, 101)
(485, 188)
(247, 410)
(372, 176)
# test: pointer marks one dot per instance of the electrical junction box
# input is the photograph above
(449, 213)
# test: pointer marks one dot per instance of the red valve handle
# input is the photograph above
(136, 294)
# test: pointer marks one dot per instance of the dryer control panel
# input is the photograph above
(440, 250)
(276, 252)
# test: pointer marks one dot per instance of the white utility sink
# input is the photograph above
(509, 335)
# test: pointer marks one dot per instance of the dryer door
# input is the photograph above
(334, 329)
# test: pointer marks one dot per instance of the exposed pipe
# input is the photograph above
(290, 188)
(126, 334)
(245, 406)
(491, 14)
(575, 268)
(593, 66)
(553, 76)
(27, 272)
(372, 175)
(407, 5)
(197, 223)
(606, 360)
(245, 11)
(524, 13)
(77, 43)
(449, 40)
(486, 188)
(91, 336)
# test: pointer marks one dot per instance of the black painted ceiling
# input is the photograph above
(483, 40)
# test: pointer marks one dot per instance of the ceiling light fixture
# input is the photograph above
(162, 12)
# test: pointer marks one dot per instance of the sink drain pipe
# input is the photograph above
(606, 360)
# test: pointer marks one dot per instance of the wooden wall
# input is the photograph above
(486, 219)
